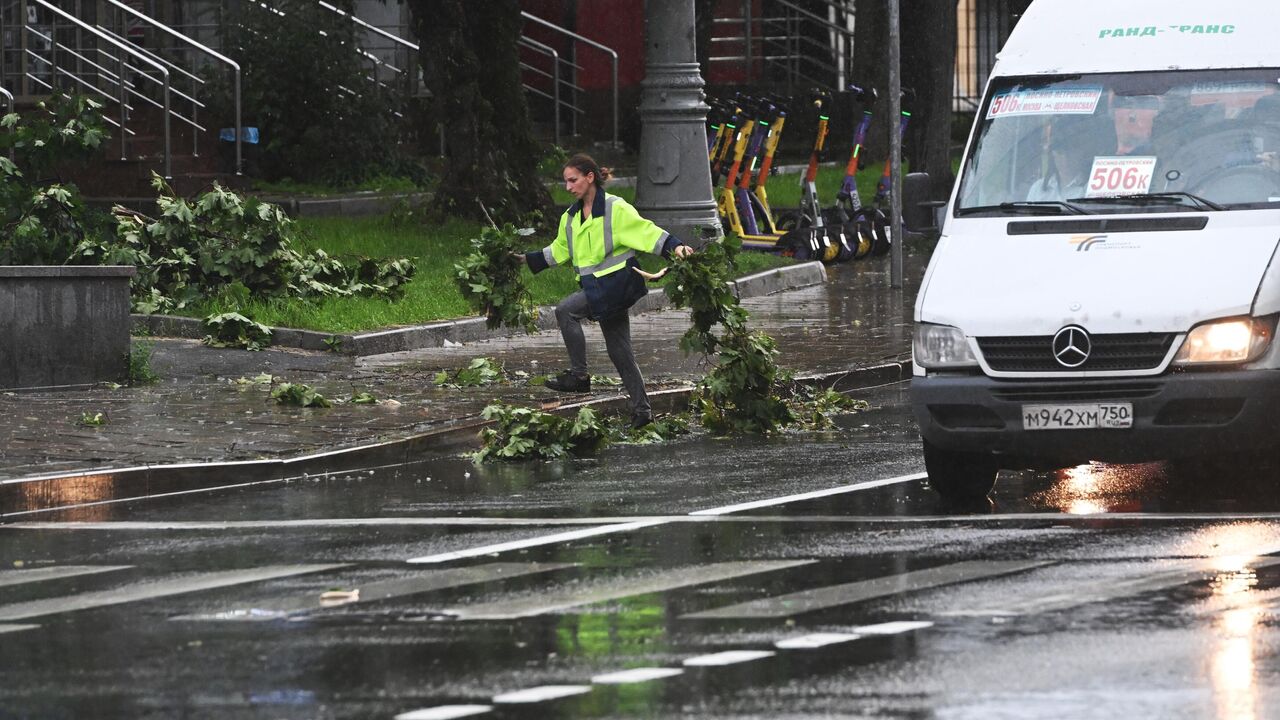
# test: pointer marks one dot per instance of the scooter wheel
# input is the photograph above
(829, 244)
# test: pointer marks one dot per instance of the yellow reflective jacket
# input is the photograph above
(602, 246)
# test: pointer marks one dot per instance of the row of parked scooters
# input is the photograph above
(742, 142)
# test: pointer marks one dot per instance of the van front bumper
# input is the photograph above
(1175, 415)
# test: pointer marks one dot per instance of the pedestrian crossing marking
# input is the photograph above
(445, 712)
(815, 641)
(636, 675)
(728, 657)
(893, 628)
(542, 693)
(382, 590)
(56, 572)
(1085, 592)
(154, 589)
(806, 601)
(662, 581)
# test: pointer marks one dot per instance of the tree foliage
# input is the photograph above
(220, 243)
(307, 88)
(471, 65)
(42, 219)
(490, 279)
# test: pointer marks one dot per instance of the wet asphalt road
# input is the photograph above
(805, 576)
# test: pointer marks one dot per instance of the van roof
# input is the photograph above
(1090, 36)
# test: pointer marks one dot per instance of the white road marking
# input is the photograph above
(541, 693)
(893, 628)
(445, 712)
(814, 641)
(1082, 593)
(16, 628)
(997, 518)
(830, 596)
(636, 675)
(20, 577)
(429, 581)
(153, 589)
(662, 581)
(535, 542)
(771, 502)
(728, 657)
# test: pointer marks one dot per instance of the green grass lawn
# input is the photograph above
(431, 295)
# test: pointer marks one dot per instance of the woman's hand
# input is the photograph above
(521, 257)
(682, 251)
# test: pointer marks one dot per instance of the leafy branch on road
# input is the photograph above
(490, 279)
(526, 434)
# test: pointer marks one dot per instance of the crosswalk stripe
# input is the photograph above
(19, 577)
(383, 590)
(728, 657)
(625, 587)
(815, 641)
(16, 628)
(541, 693)
(1082, 593)
(445, 712)
(893, 628)
(636, 675)
(835, 595)
(154, 589)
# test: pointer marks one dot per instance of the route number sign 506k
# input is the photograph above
(1120, 176)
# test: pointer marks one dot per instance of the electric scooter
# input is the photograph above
(860, 224)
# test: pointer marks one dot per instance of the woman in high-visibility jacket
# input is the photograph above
(599, 236)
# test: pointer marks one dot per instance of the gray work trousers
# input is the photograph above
(617, 340)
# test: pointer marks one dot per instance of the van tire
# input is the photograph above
(960, 476)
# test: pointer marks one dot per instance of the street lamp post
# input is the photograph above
(673, 186)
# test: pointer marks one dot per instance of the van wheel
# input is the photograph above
(959, 476)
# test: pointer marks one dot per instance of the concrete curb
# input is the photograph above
(22, 497)
(468, 329)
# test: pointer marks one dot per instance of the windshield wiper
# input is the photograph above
(1195, 201)
(1042, 207)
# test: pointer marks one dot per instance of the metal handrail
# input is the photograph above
(612, 54)
(129, 50)
(235, 66)
(390, 36)
(555, 79)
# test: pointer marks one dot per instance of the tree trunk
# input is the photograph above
(471, 65)
(928, 66)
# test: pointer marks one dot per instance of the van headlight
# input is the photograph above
(938, 347)
(1233, 340)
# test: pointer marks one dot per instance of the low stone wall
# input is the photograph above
(63, 325)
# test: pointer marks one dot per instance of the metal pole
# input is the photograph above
(747, 35)
(673, 185)
(895, 147)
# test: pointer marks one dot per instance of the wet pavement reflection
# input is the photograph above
(1095, 591)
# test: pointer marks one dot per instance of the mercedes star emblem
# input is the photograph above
(1071, 346)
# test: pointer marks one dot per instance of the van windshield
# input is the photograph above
(1126, 142)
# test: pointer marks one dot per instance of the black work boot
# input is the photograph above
(569, 381)
(640, 420)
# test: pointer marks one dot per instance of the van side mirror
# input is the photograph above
(919, 212)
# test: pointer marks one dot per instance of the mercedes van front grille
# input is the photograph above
(1109, 353)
